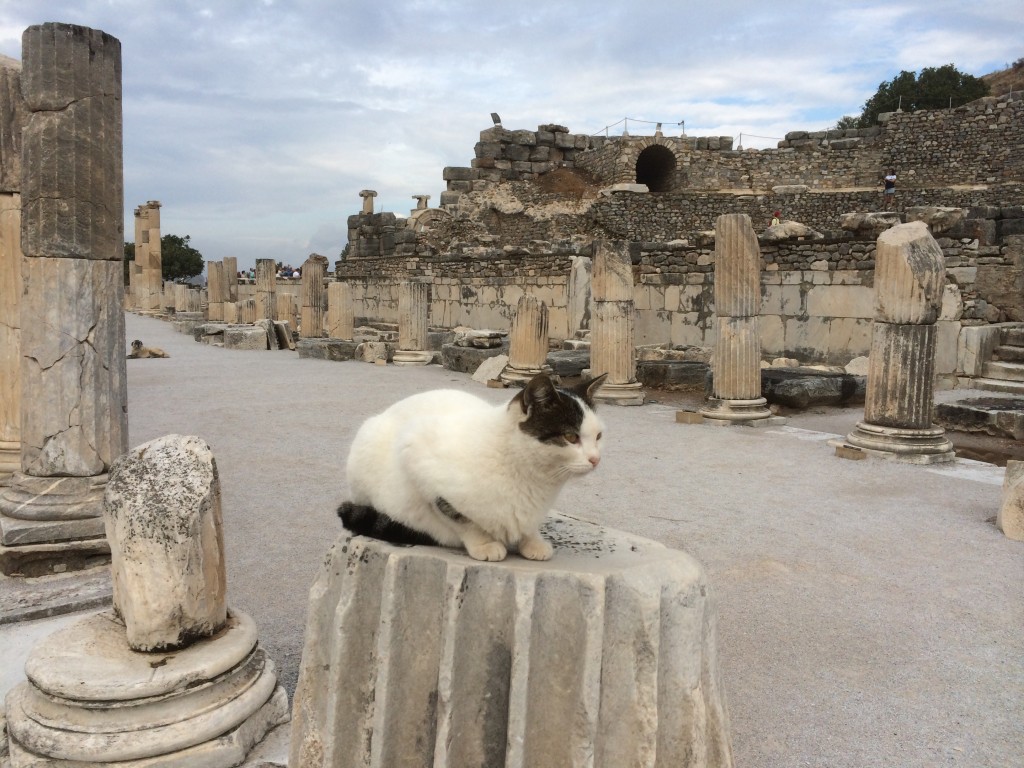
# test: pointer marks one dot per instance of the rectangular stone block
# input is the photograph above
(841, 301)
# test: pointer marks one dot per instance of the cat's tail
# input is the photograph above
(367, 521)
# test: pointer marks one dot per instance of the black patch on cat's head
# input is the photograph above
(552, 413)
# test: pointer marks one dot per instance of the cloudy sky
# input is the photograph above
(257, 122)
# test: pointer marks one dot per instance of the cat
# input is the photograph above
(139, 350)
(446, 467)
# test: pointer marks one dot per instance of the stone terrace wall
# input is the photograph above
(479, 293)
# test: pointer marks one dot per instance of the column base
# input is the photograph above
(412, 357)
(52, 525)
(206, 704)
(518, 377)
(620, 394)
(915, 446)
(736, 411)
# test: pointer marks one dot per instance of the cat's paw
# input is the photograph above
(535, 548)
(492, 550)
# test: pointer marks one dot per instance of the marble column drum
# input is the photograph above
(605, 656)
(737, 363)
(266, 289)
(314, 297)
(528, 343)
(73, 376)
(612, 345)
(909, 282)
(287, 312)
(413, 309)
(340, 317)
(230, 279)
(152, 276)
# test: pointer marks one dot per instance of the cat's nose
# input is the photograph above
(594, 460)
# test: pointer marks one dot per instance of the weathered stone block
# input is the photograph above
(1010, 519)
(162, 512)
(423, 656)
(245, 337)
(910, 273)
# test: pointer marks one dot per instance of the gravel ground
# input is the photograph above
(870, 612)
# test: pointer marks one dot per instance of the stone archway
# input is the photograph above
(655, 167)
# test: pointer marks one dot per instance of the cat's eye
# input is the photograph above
(571, 437)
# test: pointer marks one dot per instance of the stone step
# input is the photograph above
(1008, 354)
(1003, 371)
(1013, 337)
(998, 385)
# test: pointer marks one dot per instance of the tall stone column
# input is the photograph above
(314, 270)
(74, 403)
(340, 317)
(231, 279)
(216, 289)
(910, 275)
(737, 364)
(246, 311)
(266, 288)
(528, 345)
(147, 274)
(13, 117)
(612, 347)
(413, 309)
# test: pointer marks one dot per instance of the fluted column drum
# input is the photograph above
(314, 270)
(612, 349)
(266, 289)
(737, 267)
(528, 345)
(413, 308)
(340, 319)
(215, 289)
(737, 359)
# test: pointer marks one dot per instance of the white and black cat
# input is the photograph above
(448, 468)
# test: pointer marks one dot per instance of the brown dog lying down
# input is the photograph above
(140, 350)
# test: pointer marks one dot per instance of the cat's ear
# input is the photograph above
(587, 389)
(539, 391)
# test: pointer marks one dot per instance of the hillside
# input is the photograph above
(1006, 80)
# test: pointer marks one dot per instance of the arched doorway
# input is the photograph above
(655, 167)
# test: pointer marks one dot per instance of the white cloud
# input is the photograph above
(256, 124)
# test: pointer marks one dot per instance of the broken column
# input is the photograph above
(247, 313)
(736, 366)
(13, 116)
(148, 272)
(230, 279)
(340, 318)
(73, 404)
(314, 296)
(266, 289)
(528, 343)
(215, 289)
(413, 309)
(286, 311)
(171, 675)
(1010, 519)
(421, 656)
(612, 349)
(367, 195)
(421, 202)
(910, 276)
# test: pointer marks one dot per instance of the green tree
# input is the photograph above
(934, 88)
(179, 260)
(847, 121)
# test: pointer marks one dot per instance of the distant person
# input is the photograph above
(776, 218)
(889, 188)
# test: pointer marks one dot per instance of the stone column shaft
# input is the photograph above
(10, 334)
(230, 309)
(73, 375)
(612, 349)
(413, 309)
(247, 313)
(314, 270)
(230, 279)
(153, 277)
(737, 364)
(215, 289)
(910, 277)
(528, 345)
(286, 311)
(340, 317)
(266, 288)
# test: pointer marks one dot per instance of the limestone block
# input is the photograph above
(946, 336)
(974, 348)
(374, 351)
(848, 335)
(952, 307)
(858, 366)
(772, 331)
(938, 219)
(163, 519)
(245, 337)
(840, 301)
(1010, 519)
(687, 330)
(783, 300)
(868, 223)
(790, 230)
(910, 275)
(421, 656)
(490, 368)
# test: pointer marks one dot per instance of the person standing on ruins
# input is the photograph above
(889, 188)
